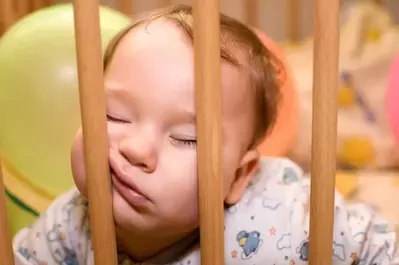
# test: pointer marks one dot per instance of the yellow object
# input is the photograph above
(346, 97)
(346, 183)
(373, 35)
(243, 241)
(19, 216)
(291, 46)
(24, 192)
(356, 151)
(39, 99)
(24, 203)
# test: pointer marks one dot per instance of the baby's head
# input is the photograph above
(149, 82)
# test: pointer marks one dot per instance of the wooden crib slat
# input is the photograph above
(293, 20)
(126, 6)
(93, 112)
(252, 11)
(38, 4)
(6, 253)
(7, 14)
(324, 130)
(163, 3)
(209, 131)
(23, 8)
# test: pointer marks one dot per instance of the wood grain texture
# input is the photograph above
(324, 130)
(209, 131)
(95, 136)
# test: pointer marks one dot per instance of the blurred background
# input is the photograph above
(40, 113)
(272, 14)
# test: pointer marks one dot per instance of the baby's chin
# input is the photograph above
(131, 220)
(149, 223)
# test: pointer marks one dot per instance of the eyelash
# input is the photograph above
(175, 141)
(112, 119)
(185, 142)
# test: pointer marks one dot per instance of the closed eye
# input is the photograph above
(184, 142)
(116, 120)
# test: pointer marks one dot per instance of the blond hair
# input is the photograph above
(263, 67)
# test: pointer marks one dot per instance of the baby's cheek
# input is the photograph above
(116, 133)
(180, 204)
(77, 164)
(177, 187)
(186, 213)
(77, 156)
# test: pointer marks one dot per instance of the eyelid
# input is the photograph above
(183, 142)
(115, 119)
(184, 137)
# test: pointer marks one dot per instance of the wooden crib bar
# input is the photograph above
(94, 125)
(209, 130)
(6, 253)
(252, 12)
(127, 6)
(7, 14)
(324, 130)
(208, 102)
(293, 20)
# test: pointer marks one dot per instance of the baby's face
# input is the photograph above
(152, 131)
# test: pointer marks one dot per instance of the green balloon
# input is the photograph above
(39, 98)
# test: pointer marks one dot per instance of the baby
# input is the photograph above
(149, 81)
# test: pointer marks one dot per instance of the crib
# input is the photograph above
(208, 99)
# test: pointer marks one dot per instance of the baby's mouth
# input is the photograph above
(131, 193)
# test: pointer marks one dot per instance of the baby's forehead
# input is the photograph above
(163, 34)
(159, 34)
(162, 46)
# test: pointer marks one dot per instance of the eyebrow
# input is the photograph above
(111, 88)
(184, 116)
(192, 117)
(119, 93)
(116, 92)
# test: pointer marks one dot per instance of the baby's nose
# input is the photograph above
(139, 152)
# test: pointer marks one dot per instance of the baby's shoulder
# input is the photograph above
(58, 235)
(277, 178)
(264, 219)
(67, 213)
(276, 186)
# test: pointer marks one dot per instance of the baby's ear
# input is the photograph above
(248, 166)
